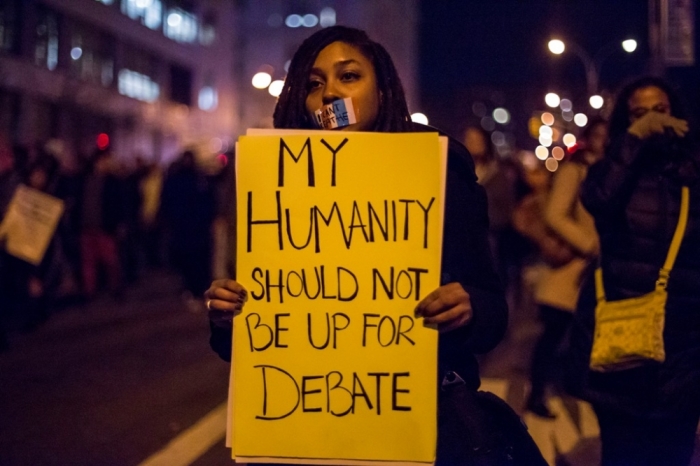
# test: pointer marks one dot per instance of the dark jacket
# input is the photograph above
(101, 203)
(465, 259)
(634, 195)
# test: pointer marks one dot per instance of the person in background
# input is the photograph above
(40, 282)
(188, 208)
(648, 415)
(498, 180)
(130, 180)
(101, 221)
(558, 285)
(68, 188)
(9, 180)
(150, 188)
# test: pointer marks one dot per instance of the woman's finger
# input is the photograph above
(445, 316)
(229, 284)
(224, 305)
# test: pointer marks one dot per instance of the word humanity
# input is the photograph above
(385, 220)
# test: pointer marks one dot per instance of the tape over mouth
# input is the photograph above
(336, 114)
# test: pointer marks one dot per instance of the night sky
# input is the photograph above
(495, 51)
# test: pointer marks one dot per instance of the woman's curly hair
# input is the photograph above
(291, 113)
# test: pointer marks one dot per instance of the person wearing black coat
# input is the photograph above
(469, 306)
(648, 415)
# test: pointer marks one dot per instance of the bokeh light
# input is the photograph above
(276, 87)
(569, 140)
(551, 165)
(479, 109)
(546, 131)
(261, 80)
(419, 117)
(294, 21)
(580, 119)
(566, 105)
(215, 144)
(547, 118)
(498, 138)
(102, 141)
(558, 153)
(541, 152)
(501, 115)
(488, 124)
(552, 99)
(596, 101)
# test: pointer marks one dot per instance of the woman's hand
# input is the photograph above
(656, 123)
(449, 306)
(225, 296)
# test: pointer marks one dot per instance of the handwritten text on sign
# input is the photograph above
(338, 238)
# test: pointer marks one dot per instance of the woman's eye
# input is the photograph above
(314, 84)
(349, 76)
(639, 113)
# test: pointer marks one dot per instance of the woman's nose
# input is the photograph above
(330, 93)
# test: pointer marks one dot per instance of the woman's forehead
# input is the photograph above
(647, 96)
(338, 52)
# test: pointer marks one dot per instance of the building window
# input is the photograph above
(208, 99)
(137, 77)
(138, 86)
(207, 33)
(180, 85)
(92, 56)
(46, 39)
(9, 26)
(148, 12)
(180, 25)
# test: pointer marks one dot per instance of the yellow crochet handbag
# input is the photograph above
(629, 332)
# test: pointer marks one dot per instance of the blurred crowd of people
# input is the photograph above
(120, 218)
(613, 205)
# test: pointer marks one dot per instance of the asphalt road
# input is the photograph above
(108, 383)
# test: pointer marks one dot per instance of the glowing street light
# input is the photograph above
(591, 64)
(630, 45)
(556, 46)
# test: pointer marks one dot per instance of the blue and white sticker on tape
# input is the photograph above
(337, 114)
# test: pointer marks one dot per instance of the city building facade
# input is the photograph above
(153, 77)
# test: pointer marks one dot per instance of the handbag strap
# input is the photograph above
(665, 271)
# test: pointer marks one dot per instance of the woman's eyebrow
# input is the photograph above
(340, 64)
(336, 65)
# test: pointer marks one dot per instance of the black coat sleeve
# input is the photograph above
(466, 259)
(609, 184)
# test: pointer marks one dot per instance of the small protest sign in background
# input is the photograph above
(30, 223)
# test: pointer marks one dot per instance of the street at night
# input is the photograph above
(135, 383)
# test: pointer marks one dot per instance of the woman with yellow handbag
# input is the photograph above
(635, 345)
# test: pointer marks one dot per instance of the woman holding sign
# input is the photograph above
(339, 78)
